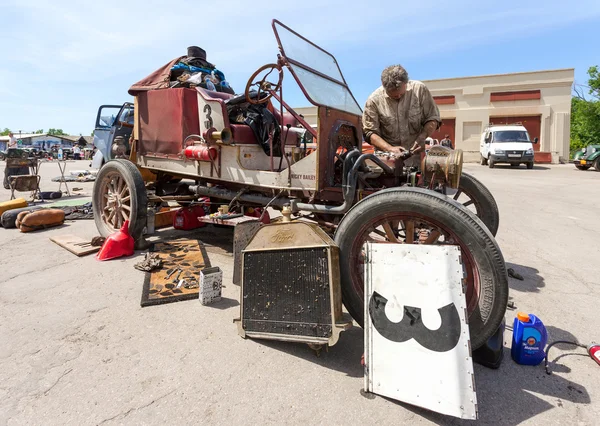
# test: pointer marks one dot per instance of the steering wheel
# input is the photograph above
(264, 86)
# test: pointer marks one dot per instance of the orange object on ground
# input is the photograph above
(28, 221)
(117, 245)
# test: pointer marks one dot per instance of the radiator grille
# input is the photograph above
(287, 292)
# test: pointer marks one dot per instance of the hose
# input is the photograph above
(566, 342)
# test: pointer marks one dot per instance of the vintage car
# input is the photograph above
(588, 157)
(327, 175)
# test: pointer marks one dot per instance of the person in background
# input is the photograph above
(446, 142)
(399, 113)
(12, 141)
(76, 152)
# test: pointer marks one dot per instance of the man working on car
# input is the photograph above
(399, 113)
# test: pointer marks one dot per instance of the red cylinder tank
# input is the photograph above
(201, 152)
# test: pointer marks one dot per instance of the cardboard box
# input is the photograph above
(210, 283)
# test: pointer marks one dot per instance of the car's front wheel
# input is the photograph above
(482, 160)
(418, 216)
(530, 166)
(597, 164)
(491, 163)
(584, 168)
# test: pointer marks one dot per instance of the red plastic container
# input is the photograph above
(594, 351)
(186, 218)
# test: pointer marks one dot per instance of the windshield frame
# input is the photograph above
(290, 62)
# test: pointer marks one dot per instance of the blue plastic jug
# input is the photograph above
(529, 339)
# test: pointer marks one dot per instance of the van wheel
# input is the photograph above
(491, 163)
(530, 166)
(482, 160)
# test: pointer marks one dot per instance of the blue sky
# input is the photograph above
(61, 59)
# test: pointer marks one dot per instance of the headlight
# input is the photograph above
(593, 150)
(529, 151)
(499, 152)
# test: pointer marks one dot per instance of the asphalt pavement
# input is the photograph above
(77, 348)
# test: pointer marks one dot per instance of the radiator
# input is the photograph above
(290, 285)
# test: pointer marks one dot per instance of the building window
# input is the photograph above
(515, 96)
(444, 100)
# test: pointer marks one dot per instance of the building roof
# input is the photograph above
(70, 138)
(523, 73)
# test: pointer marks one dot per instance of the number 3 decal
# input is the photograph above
(209, 121)
(443, 339)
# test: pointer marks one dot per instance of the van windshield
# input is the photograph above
(511, 136)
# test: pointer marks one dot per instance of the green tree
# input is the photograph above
(56, 132)
(585, 113)
(5, 132)
(39, 132)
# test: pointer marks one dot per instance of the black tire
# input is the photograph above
(491, 163)
(138, 201)
(489, 307)
(514, 165)
(530, 166)
(482, 199)
(584, 168)
(482, 160)
(597, 164)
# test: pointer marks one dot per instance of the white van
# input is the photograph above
(508, 143)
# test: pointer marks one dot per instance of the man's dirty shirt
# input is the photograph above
(399, 122)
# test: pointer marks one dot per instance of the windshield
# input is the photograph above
(511, 136)
(316, 71)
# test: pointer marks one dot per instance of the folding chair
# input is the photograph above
(24, 183)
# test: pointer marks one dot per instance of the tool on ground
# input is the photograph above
(117, 245)
(151, 262)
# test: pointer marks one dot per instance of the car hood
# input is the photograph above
(512, 146)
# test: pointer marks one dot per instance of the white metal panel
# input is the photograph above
(414, 297)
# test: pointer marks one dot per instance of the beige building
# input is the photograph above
(540, 100)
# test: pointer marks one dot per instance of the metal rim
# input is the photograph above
(393, 227)
(116, 200)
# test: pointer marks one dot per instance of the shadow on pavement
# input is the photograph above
(344, 356)
(532, 280)
(506, 396)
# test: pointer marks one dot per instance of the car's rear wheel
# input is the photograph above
(583, 167)
(418, 216)
(482, 160)
(119, 195)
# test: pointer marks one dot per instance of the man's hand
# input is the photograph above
(378, 142)
(398, 150)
